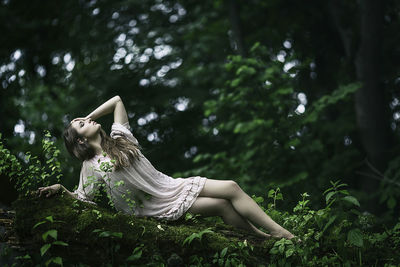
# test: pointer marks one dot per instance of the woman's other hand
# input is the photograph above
(51, 190)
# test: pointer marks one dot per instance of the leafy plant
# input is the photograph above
(112, 246)
(136, 253)
(283, 247)
(198, 236)
(189, 217)
(34, 173)
(336, 192)
(224, 259)
(53, 233)
(275, 195)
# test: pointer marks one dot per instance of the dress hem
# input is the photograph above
(186, 200)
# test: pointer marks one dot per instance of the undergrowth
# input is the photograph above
(338, 234)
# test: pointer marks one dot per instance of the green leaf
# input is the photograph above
(44, 249)
(273, 250)
(223, 252)
(284, 91)
(26, 257)
(104, 234)
(258, 200)
(236, 82)
(61, 243)
(329, 195)
(352, 200)
(246, 70)
(289, 253)
(50, 218)
(391, 203)
(52, 233)
(331, 220)
(39, 223)
(135, 255)
(117, 234)
(355, 237)
(281, 249)
(344, 192)
(271, 193)
(57, 260)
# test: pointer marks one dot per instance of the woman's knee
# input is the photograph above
(221, 206)
(233, 188)
(224, 204)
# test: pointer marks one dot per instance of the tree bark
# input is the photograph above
(370, 105)
(234, 16)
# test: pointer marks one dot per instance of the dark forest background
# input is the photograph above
(288, 94)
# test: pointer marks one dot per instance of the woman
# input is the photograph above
(136, 187)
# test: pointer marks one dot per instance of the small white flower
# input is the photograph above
(245, 243)
(159, 227)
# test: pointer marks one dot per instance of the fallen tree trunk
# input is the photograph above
(79, 232)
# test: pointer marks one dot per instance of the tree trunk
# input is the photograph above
(77, 222)
(370, 105)
(234, 16)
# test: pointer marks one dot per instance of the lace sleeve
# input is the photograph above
(88, 184)
(118, 130)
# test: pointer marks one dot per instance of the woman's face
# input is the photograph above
(86, 128)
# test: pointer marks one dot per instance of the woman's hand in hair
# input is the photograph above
(81, 118)
(51, 190)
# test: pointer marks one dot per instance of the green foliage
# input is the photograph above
(337, 233)
(195, 236)
(333, 194)
(283, 248)
(253, 133)
(189, 217)
(262, 137)
(113, 247)
(45, 254)
(103, 233)
(136, 253)
(275, 195)
(327, 100)
(224, 258)
(389, 192)
(35, 173)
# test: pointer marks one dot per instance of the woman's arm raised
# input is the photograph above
(115, 105)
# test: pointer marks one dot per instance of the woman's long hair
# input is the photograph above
(123, 151)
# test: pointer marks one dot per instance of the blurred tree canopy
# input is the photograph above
(268, 93)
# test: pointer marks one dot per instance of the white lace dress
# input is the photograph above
(139, 189)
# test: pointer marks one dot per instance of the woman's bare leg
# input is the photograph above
(207, 206)
(243, 204)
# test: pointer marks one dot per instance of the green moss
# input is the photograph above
(75, 222)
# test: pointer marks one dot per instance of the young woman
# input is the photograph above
(136, 187)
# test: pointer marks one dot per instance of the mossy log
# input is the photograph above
(76, 223)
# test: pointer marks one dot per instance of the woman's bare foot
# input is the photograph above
(286, 234)
(283, 233)
(265, 235)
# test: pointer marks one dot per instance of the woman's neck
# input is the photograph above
(95, 143)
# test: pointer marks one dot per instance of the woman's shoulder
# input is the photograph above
(120, 130)
(96, 161)
(123, 127)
